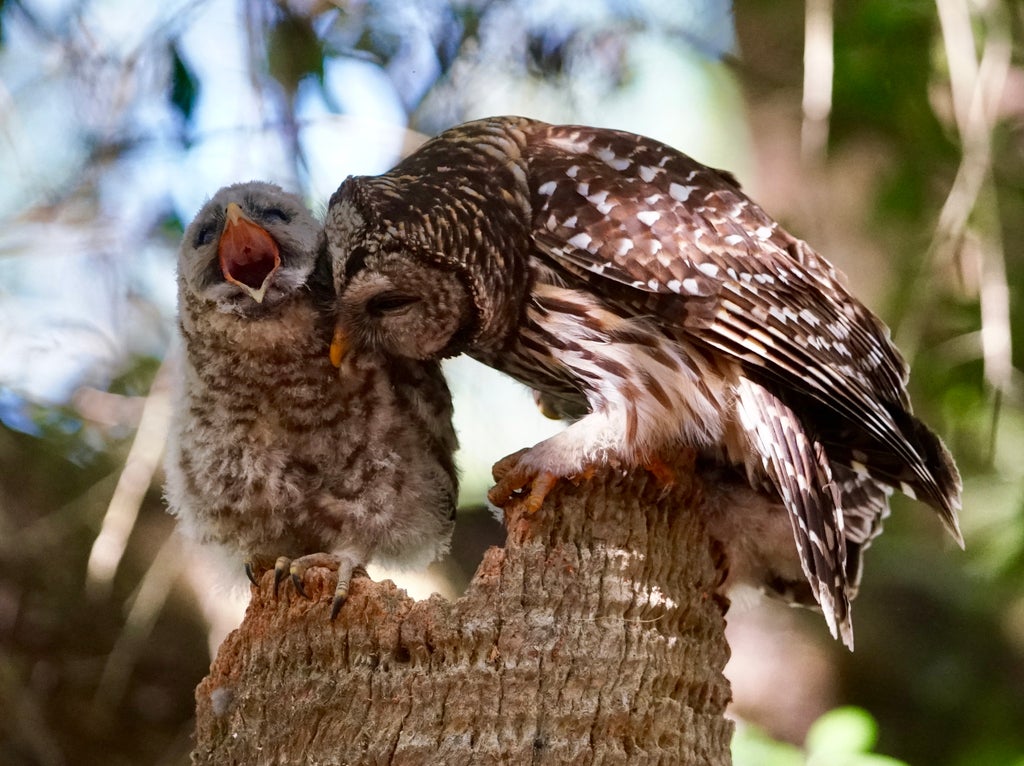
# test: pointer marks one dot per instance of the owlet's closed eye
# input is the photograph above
(276, 215)
(205, 235)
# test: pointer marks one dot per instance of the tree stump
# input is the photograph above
(593, 637)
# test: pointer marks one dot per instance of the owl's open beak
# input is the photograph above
(339, 346)
(248, 254)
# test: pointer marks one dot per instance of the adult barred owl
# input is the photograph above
(275, 454)
(624, 281)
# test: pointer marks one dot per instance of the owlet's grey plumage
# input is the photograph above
(633, 286)
(276, 455)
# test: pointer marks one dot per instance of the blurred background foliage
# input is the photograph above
(888, 134)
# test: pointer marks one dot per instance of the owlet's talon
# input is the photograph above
(338, 602)
(346, 565)
(340, 594)
(300, 588)
(346, 568)
(281, 568)
(342, 588)
(301, 565)
(250, 572)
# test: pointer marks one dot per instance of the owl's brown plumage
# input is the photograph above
(619, 277)
(275, 453)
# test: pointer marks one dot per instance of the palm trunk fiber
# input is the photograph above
(593, 637)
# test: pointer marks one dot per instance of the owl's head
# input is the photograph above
(393, 296)
(250, 247)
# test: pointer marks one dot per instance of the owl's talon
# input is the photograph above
(513, 478)
(507, 465)
(502, 492)
(541, 485)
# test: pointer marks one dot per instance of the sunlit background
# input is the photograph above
(889, 135)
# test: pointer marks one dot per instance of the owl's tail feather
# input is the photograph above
(865, 504)
(930, 476)
(942, 487)
(800, 471)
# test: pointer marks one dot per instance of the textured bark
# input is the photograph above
(593, 637)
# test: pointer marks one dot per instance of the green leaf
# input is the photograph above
(872, 759)
(844, 737)
(294, 52)
(752, 747)
(184, 85)
(842, 731)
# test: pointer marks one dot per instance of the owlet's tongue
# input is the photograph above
(248, 254)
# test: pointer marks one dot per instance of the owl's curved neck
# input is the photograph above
(476, 221)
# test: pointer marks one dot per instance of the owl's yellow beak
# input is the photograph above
(339, 346)
(248, 254)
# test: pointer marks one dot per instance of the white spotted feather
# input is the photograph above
(647, 296)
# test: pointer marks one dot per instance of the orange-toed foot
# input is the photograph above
(661, 471)
(512, 477)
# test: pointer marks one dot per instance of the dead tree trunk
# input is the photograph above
(593, 637)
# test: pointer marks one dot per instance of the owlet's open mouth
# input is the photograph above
(249, 256)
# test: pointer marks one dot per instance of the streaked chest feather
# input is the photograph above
(662, 387)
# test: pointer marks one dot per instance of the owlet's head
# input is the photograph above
(392, 297)
(250, 247)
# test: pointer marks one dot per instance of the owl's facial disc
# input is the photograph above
(248, 255)
(401, 309)
(387, 304)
